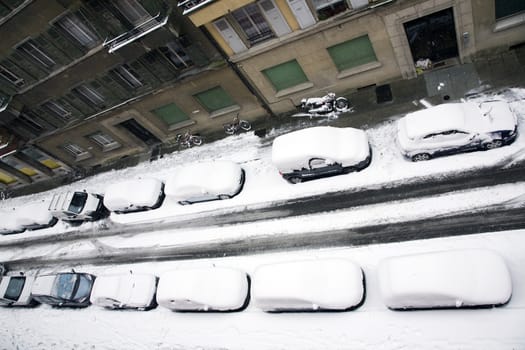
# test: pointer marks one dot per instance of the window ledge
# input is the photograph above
(180, 125)
(294, 89)
(224, 111)
(509, 22)
(360, 69)
(111, 147)
(83, 156)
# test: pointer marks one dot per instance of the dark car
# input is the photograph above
(63, 289)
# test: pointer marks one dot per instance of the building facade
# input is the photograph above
(84, 83)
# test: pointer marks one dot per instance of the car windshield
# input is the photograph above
(77, 202)
(64, 285)
(84, 288)
(14, 289)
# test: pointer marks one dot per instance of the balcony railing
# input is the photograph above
(192, 5)
(138, 32)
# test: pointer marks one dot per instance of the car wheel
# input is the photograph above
(184, 202)
(420, 157)
(224, 196)
(295, 179)
(493, 144)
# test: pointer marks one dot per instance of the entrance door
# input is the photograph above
(433, 36)
(140, 132)
(302, 13)
(275, 17)
(230, 35)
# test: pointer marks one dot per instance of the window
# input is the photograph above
(6, 179)
(285, 75)
(214, 99)
(253, 24)
(15, 163)
(328, 8)
(14, 288)
(506, 8)
(133, 11)
(104, 140)
(76, 150)
(31, 49)
(352, 53)
(11, 77)
(79, 29)
(176, 55)
(170, 114)
(58, 110)
(41, 157)
(128, 76)
(90, 95)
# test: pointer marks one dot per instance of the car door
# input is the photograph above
(449, 141)
(321, 166)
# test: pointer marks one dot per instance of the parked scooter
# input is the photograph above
(327, 106)
(188, 140)
(237, 125)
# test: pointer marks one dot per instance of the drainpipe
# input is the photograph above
(238, 72)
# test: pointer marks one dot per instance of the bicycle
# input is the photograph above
(188, 140)
(236, 125)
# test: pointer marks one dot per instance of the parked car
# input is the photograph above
(34, 216)
(319, 152)
(16, 290)
(310, 285)
(125, 291)
(195, 183)
(77, 206)
(456, 127)
(203, 289)
(134, 195)
(9, 223)
(63, 289)
(449, 279)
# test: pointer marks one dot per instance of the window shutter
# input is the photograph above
(80, 105)
(352, 53)
(170, 114)
(158, 66)
(34, 72)
(214, 99)
(505, 8)
(286, 75)
(64, 43)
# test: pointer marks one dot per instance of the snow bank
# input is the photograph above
(325, 284)
(455, 278)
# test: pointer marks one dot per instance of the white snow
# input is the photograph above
(124, 290)
(322, 284)
(203, 289)
(293, 151)
(453, 278)
(204, 180)
(133, 194)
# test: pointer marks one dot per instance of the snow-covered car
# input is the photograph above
(9, 224)
(63, 289)
(125, 291)
(456, 127)
(448, 279)
(134, 195)
(310, 285)
(77, 206)
(16, 290)
(203, 289)
(319, 152)
(35, 216)
(199, 182)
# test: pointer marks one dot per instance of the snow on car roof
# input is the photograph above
(343, 145)
(8, 221)
(326, 284)
(140, 193)
(33, 213)
(43, 285)
(216, 177)
(213, 288)
(132, 289)
(445, 279)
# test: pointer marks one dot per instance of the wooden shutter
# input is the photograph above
(286, 75)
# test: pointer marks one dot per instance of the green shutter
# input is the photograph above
(506, 8)
(214, 99)
(352, 53)
(285, 75)
(170, 114)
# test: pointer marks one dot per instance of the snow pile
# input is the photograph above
(455, 278)
(133, 195)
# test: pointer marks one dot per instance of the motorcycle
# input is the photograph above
(236, 125)
(188, 140)
(327, 106)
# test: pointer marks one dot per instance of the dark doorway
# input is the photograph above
(141, 132)
(433, 36)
